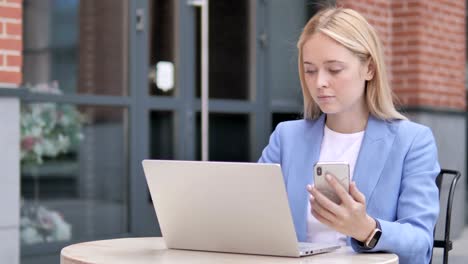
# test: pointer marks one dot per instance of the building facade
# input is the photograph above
(425, 44)
(90, 88)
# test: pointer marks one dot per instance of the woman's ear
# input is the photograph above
(369, 70)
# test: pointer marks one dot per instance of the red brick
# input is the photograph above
(11, 44)
(10, 12)
(10, 77)
(414, 4)
(14, 61)
(14, 29)
(397, 5)
(432, 92)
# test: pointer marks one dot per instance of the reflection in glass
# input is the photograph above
(81, 45)
(281, 117)
(228, 137)
(161, 43)
(162, 135)
(73, 172)
(283, 78)
(228, 50)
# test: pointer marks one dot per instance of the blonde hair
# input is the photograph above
(350, 29)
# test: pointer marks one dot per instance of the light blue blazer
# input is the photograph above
(396, 170)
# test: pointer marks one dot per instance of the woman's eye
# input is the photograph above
(334, 71)
(310, 72)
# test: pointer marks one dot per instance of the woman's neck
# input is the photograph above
(347, 122)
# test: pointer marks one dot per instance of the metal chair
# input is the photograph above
(446, 243)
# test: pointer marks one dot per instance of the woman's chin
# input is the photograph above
(329, 110)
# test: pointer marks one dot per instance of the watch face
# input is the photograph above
(374, 239)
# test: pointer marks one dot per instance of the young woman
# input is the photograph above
(392, 204)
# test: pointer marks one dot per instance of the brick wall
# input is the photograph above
(11, 43)
(424, 43)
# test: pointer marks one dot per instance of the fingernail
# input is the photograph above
(328, 177)
(309, 187)
(312, 198)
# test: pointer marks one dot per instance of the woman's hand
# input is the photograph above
(349, 217)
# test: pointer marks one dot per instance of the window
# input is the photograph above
(74, 125)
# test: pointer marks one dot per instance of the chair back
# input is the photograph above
(453, 176)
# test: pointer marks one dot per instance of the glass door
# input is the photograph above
(231, 54)
(251, 74)
(74, 125)
(173, 102)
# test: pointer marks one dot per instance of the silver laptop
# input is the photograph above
(225, 207)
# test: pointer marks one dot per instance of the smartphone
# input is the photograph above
(340, 170)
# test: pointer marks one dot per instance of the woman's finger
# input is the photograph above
(321, 210)
(356, 194)
(320, 218)
(339, 189)
(325, 202)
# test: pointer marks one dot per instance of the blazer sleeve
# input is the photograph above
(411, 235)
(272, 152)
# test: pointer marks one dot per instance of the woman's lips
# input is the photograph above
(325, 98)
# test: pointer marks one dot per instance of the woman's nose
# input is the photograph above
(322, 79)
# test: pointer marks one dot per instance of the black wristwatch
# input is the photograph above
(373, 239)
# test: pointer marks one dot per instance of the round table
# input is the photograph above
(153, 250)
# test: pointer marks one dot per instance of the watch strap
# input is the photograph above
(377, 231)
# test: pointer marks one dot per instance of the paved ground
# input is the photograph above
(459, 253)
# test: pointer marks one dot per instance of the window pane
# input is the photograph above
(282, 52)
(74, 173)
(228, 137)
(229, 50)
(162, 47)
(162, 135)
(64, 44)
(280, 117)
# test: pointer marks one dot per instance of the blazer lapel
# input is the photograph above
(308, 151)
(375, 148)
(313, 143)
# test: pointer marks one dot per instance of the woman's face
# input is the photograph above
(334, 76)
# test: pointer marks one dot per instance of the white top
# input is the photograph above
(335, 147)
